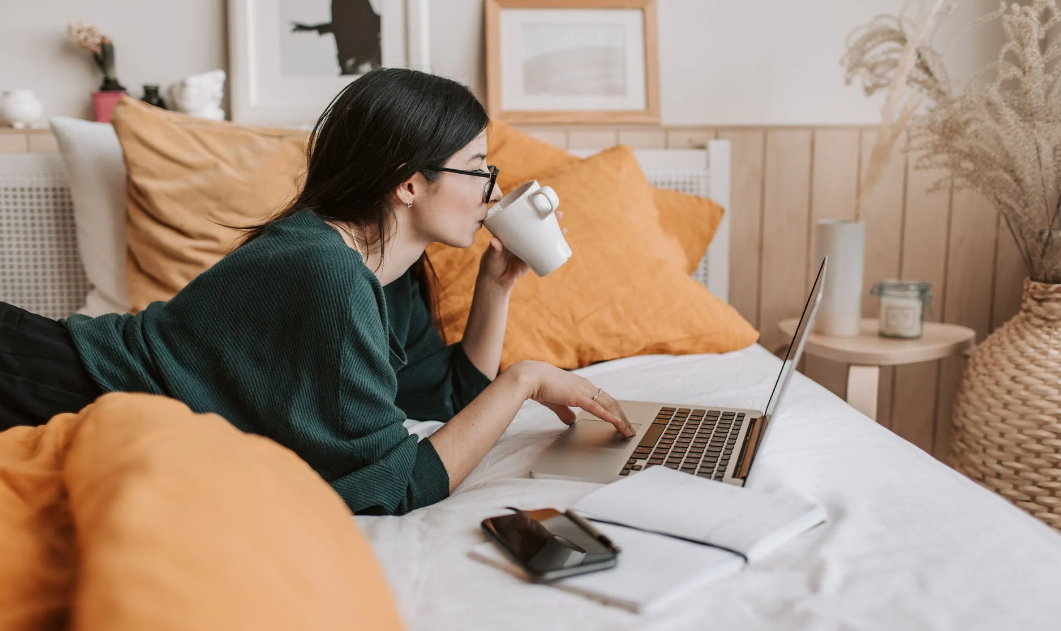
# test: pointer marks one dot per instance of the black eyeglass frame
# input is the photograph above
(491, 173)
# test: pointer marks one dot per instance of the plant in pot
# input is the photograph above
(999, 133)
(102, 49)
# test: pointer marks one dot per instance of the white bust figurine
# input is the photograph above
(200, 95)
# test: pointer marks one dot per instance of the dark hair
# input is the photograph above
(382, 129)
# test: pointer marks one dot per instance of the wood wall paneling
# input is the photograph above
(967, 297)
(689, 138)
(882, 213)
(834, 191)
(649, 138)
(923, 257)
(747, 152)
(786, 213)
(14, 143)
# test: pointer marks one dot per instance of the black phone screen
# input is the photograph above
(547, 542)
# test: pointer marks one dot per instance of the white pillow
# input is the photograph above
(96, 170)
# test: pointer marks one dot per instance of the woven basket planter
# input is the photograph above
(1006, 430)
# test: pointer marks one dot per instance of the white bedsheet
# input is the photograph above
(910, 544)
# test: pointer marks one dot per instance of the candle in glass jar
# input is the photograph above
(902, 307)
(900, 316)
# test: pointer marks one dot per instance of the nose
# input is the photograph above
(495, 195)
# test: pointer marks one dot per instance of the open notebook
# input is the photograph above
(676, 532)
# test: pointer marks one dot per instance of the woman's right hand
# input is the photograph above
(560, 390)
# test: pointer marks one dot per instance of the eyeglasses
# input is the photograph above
(492, 174)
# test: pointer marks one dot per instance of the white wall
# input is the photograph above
(722, 62)
(155, 41)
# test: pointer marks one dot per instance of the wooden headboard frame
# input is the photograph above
(704, 172)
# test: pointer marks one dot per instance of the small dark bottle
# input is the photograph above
(152, 97)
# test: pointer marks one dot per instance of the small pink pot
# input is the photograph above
(104, 103)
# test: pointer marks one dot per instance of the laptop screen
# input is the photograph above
(799, 338)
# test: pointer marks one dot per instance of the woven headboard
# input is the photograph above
(41, 270)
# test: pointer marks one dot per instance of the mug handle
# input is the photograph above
(545, 201)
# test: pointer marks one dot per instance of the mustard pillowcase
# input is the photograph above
(626, 291)
(690, 219)
(189, 179)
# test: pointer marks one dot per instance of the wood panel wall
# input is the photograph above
(784, 179)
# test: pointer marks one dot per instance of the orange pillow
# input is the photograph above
(184, 522)
(626, 290)
(188, 179)
(690, 219)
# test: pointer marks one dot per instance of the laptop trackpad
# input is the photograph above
(587, 434)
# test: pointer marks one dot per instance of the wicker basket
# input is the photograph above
(1007, 413)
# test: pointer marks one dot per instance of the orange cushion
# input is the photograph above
(189, 179)
(626, 291)
(172, 521)
(692, 220)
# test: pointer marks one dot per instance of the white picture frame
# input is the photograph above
(261, 95)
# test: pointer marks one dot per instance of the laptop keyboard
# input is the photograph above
(695, 441)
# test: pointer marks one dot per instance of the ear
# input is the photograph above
(410, 188)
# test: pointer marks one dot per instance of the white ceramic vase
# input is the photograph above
(20, 108)
(844, 242)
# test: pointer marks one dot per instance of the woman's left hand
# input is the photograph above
(501, 268)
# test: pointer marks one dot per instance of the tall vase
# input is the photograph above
(844, 242)
(1006, 425)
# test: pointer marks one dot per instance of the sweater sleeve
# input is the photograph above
(388, 471)
(439, 380)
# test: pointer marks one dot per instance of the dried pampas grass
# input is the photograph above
(998, 133)
(887, 54)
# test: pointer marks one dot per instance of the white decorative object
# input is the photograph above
(96, 173)
(200, 95)
(20, 108)
(844, 242)
(287, 62)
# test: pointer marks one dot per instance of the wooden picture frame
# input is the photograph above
(533, 74)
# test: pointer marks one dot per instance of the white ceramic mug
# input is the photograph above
(525, 222)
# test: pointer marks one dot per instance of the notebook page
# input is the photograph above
(652, 570)
(667, 501)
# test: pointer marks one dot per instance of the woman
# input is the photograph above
(316, 331)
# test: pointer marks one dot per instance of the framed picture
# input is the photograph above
(289, 58)
(572, 61)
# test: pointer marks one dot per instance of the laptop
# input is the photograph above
(703, 440)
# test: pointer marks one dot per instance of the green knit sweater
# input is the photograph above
(292, 337)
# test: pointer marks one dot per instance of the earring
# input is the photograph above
(409, 205)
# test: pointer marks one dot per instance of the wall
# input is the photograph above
(762, 62)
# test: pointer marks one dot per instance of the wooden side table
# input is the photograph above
(868, 351)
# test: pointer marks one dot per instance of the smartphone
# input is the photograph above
(549, 544)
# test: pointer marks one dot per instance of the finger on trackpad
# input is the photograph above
(598, 434)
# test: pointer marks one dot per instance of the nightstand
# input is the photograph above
(868, 351)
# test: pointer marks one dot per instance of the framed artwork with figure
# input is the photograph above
(289, 58)
(572, 61)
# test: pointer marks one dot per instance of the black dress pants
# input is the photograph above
(41, 374)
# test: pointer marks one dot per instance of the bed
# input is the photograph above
(909, 543)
